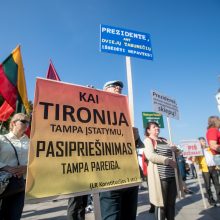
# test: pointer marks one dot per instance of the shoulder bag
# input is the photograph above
(10, 184)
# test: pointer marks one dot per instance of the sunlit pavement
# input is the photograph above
(191, 207)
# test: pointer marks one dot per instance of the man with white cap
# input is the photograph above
(118, 204)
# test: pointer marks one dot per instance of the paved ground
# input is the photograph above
(189, 208)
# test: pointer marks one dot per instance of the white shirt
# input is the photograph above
(140, 153)
(209, 158)
(7, 153)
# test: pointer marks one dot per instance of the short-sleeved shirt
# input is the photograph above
(7, 153)
(213, 134)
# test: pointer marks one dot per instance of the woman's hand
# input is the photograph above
(172, 163)
(174, 148)
(21, 170)
(18, 171)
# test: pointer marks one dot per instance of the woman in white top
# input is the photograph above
(12, 206)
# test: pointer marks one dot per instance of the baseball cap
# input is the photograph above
(113, 83)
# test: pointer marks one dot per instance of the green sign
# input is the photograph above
(152, 116)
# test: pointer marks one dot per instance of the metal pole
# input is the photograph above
(130, 89)
(97, 210)
(174, 158)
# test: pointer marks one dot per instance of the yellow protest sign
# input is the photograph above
(81, 138)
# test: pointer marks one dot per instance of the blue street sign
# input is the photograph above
(125, 42)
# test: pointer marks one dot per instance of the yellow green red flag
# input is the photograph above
(12, 82)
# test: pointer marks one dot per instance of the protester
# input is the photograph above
(181, 162)
(209, 172)
(139, 149)
(12, 206)
(77, 205)
(192, 167)
(76, 208)
(213, 134)
(118, 204)
(139, 155)
(161, 174)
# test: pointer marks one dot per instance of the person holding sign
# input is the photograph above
(161, 175)
(213, 134)
(118, 204)
(76, 208)
(209, 172)
(13, 159)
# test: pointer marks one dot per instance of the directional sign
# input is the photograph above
(125, 42)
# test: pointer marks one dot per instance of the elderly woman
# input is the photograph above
(12, 206)
(161, 175)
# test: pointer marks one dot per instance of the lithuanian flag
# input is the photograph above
(12, 82)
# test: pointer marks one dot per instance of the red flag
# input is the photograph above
(5, 111)
(52, 73)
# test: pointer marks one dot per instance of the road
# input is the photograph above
(191, 207)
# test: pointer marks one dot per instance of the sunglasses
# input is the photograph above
(114, 86)
(22, 121)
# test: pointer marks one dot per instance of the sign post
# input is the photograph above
(130, 44)
(192, 148)
(130, 88)
(167, 106)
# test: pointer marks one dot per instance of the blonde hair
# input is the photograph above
(16, 117)
(212, 122)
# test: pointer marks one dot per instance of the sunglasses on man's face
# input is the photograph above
(23, 121)
(114, 86)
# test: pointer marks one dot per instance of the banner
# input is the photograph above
(191, 148)
(81, 139)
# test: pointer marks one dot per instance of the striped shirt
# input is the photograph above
(165, 171)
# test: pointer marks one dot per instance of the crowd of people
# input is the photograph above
(160, 162)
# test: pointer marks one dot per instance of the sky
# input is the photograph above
(185, 38)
